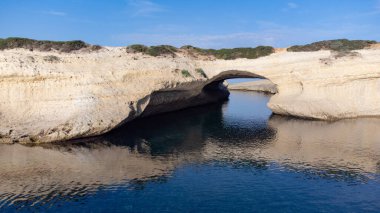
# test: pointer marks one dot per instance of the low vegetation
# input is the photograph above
(337, 55)
(51, 58)
(227, 54)
(342, 54)
(153, 50)
(339, 45)
(185, 73)
(235, 53)
(201, 72)
(139, 48)
(250, 53)
(31, 44)
(342, 46)
(96, 47)
(162, 50)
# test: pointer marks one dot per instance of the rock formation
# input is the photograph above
(49, 95)
(258, 86)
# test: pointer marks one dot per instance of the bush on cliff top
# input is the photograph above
(154, 50)
(31, 44)
(339, 45)
(162, 50)
(229, 54)
(138, 48)
(250, 53)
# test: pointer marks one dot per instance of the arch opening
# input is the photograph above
(254, 82)
(213, 90)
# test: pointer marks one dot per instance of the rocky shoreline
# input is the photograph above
(54, 96)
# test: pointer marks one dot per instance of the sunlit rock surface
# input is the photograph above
(258, 86)
(89, 93)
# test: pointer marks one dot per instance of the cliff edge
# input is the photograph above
(50, 95)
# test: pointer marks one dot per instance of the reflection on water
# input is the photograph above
(199, 159)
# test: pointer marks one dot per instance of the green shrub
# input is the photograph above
(201, 72)
(10, 43)
(51, 58)
(250, 53)
(162, 50)
(154, 50)
(339, 45)
(96, 47)
(3, 44)
(192, 48)
(185, 73)
(62, 46)
(72, 45)
(342, 54)
(229, 54)
(139, 48)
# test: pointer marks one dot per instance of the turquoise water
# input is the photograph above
(228, 157)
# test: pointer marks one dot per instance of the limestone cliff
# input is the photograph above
(258, 86)
(49, 96)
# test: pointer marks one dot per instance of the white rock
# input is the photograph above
(258, 86)
(87, 94)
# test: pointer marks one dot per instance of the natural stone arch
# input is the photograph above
(216, 82)
(209, 91)
(231, 74)
(107, 88)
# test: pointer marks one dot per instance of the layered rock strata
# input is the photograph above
(257, 86)
(50, 96)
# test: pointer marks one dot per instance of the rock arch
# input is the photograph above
(231, 74)
(217, 80)
(106, 88)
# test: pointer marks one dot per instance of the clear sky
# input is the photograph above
(203, 23)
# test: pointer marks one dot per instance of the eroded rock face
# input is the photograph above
(308, 87)
(258, 86)
(47, 96)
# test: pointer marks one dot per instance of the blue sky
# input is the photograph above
(203, 23)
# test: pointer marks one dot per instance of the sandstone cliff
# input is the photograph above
(49, 96)
(259, 86)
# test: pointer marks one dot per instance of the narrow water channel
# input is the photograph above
(205, 159)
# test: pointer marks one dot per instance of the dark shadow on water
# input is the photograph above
(185, 130)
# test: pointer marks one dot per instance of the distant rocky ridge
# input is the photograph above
(257, 86)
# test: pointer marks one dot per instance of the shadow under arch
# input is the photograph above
(211, 91)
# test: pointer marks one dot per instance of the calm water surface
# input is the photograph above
(231, 157)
